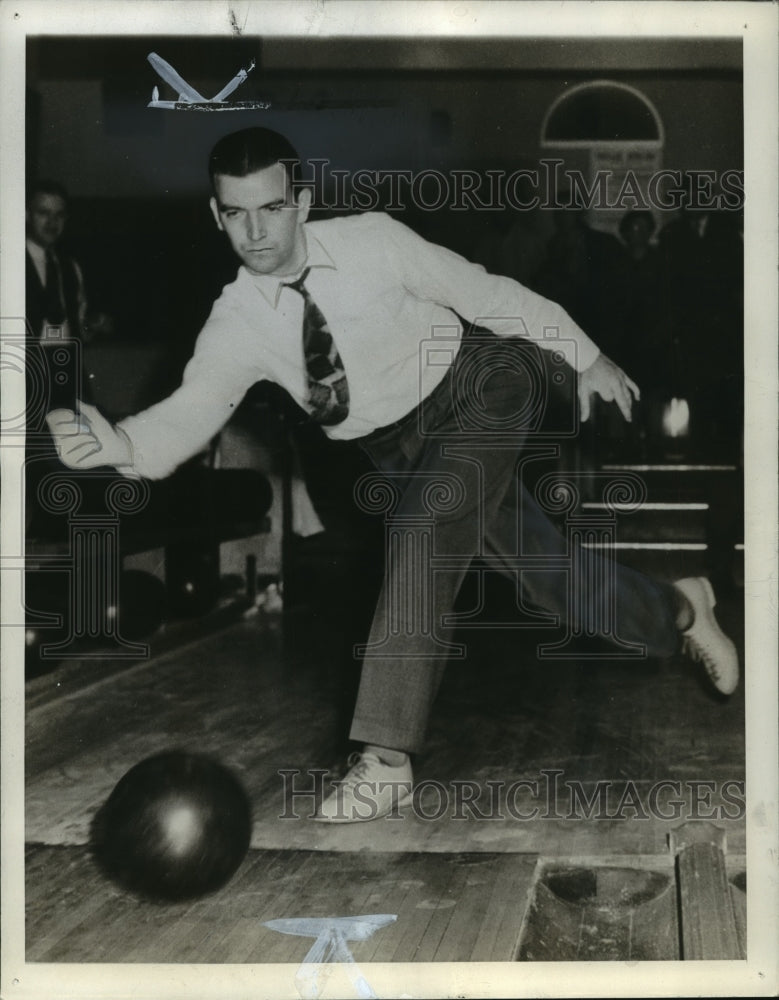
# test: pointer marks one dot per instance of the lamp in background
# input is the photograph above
(676, 418)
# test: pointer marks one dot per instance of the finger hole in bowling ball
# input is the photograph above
(176, 826)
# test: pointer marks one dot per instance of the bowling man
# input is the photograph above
(335, 311)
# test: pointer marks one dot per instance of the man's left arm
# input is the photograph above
(510, 310)
(605, 379)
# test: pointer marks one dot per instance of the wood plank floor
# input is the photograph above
(463, 907)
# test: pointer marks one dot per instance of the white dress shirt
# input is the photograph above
(389, 298)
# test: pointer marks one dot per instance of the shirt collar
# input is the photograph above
(271, 284)
(37, 252)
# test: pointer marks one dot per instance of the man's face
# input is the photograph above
(46, 216)
(262, 220)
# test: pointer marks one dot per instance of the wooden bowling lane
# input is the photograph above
(490, 907)
(458, 884)
(448, 907)
(501, 717)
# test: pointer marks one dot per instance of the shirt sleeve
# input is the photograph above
(500, 304)
(214, 382)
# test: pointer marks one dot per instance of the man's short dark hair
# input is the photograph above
(242, 153)
(43, 186)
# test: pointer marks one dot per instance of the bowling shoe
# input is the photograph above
(370, 790)
(704, 641)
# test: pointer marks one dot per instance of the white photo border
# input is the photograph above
(756, 25)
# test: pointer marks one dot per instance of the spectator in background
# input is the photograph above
(580, 273)
(642, 345)
(635, 330)
(508, 240)
(636, 230)
(54, 281)
(55, 298)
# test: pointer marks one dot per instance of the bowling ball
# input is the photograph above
(176, 826)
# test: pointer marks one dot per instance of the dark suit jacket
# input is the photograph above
(36, 296)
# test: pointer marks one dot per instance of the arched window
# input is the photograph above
(612, 133)
(601, 112)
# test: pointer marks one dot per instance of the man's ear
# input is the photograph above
(215, 213)
(303, 202)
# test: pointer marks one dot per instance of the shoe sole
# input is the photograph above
(711, 600)
(365, 819)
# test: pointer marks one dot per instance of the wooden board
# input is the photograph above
(449, 907)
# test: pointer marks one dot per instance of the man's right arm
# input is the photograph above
(150, 444)
(85, 440)
(154, 442)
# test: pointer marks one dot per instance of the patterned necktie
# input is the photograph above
(55, 314)
(328, 390)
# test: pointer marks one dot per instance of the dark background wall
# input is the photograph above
(383, 104)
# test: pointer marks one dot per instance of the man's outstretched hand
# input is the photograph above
(86, 440)
(603, 378)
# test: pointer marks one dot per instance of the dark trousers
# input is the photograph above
(451, 491)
